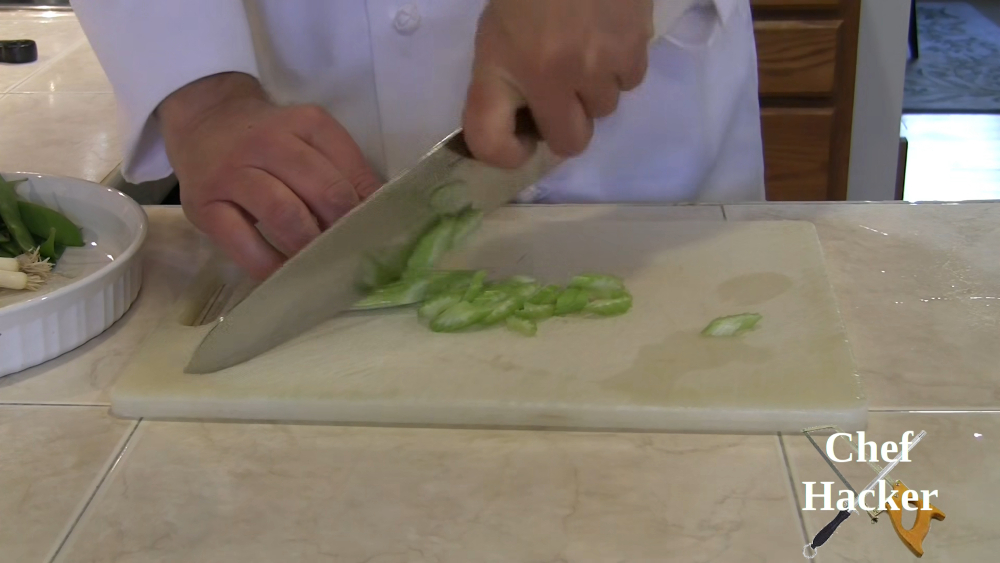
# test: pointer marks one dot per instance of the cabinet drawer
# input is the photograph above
(797, 58)
(797, 145)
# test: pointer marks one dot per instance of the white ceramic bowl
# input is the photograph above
(94, 285)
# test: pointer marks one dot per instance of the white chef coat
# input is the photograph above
(395, 74)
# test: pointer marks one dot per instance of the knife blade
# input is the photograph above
(322, 280)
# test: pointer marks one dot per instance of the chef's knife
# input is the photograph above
(322, 280)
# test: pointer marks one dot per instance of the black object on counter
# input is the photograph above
(18, 51)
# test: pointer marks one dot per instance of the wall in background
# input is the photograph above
(878, 104)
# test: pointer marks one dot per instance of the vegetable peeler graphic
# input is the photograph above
(912, 538)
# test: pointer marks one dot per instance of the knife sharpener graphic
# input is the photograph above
(912, 538)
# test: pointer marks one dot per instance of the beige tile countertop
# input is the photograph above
(919, 286)
(58, 113)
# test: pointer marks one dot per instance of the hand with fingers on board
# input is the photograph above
(244, 162)
(568, 61)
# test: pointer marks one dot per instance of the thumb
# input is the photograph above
(489, 121)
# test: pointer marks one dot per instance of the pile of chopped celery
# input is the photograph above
(456, 301)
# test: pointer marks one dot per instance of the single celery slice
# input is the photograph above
(476, 286)
(733, 325)
(535, 312)
(522, 290)
(609, 307)
(437, 305)
(501, 311)
(571, 300)
(459, 316)
(432, 246)
(527, 327)
(412, 289)
(597, 282)
(546, 296)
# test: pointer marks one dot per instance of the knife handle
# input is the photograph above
(524, 126)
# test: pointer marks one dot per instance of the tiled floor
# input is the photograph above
(952, 157)
(989, 8)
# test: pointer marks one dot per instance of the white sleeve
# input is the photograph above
(151, 48)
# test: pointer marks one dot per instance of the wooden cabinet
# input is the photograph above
(807, 57)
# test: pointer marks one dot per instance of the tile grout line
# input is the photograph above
(795, 491)
(45, 66)
(73, 405)
(935, 411)
(111, 464)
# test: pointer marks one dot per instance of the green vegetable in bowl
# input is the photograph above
(40, 219)
(48, 248)
(11, 216)
(9, 249)
(32, 235)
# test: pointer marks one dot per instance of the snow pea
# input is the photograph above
(40, 219)
(48, 248)
(11, 216)
(9, 247)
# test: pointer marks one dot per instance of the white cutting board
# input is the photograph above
(649, 370)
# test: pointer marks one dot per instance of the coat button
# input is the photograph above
(407, 19)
